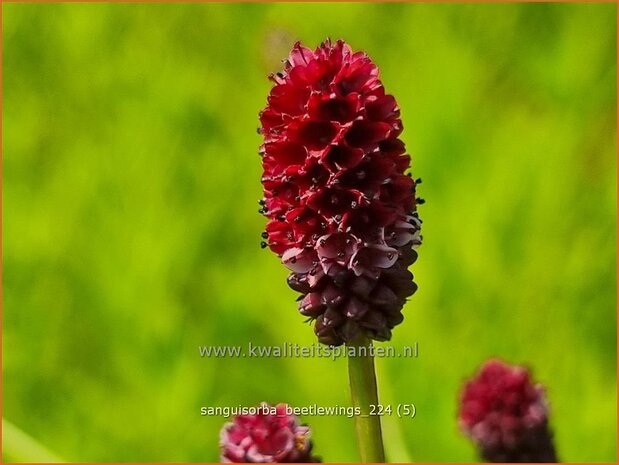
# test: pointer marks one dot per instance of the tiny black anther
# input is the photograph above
(264, 235)
(261, 202)
(297, 219)
(293, 260)
(263, 245)
(409, 175)
(259, 131)
(353, 204)
(322, 243)
(418, 181)
(420, 201)
(280, 218)
(390, 255)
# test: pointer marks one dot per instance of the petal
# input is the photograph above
(356, 308)
(333, 108)
(299, 260)
(382, 108)
(340, 156)
(289, 99)
(368, 259)
(300, 55)
(384, 296)
(383, 256)
(332, 296)
(286, 153)
(315, 135)
(362, 286)
(298, 282)
(366, 133)
(312, 305)
(331, 318)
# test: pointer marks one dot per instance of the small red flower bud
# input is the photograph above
(269, 436)
(342, 211)
(506, 415)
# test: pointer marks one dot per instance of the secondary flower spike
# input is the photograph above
(269, 436)
(506, 415)
(342, 212)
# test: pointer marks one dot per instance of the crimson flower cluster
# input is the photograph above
(506, 415)
(266, 438)
(341, 210)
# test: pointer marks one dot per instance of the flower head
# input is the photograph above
(269, 436)
(341, 210)
(506, 415)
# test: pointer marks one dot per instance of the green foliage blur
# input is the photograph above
(131, 225)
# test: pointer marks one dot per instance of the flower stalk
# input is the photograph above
(364, 395)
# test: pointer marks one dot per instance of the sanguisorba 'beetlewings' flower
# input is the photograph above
(506, 415)
(342, 212)
(266, 437)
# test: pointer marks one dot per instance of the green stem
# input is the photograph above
(364, 395)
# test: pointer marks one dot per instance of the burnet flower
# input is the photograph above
(506, 415)
(341, 210)
(269, 436)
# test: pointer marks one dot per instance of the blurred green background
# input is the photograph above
(131, 230)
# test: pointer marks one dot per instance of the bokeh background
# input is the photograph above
(131, 230)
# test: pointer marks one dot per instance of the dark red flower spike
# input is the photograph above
(342, 213)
